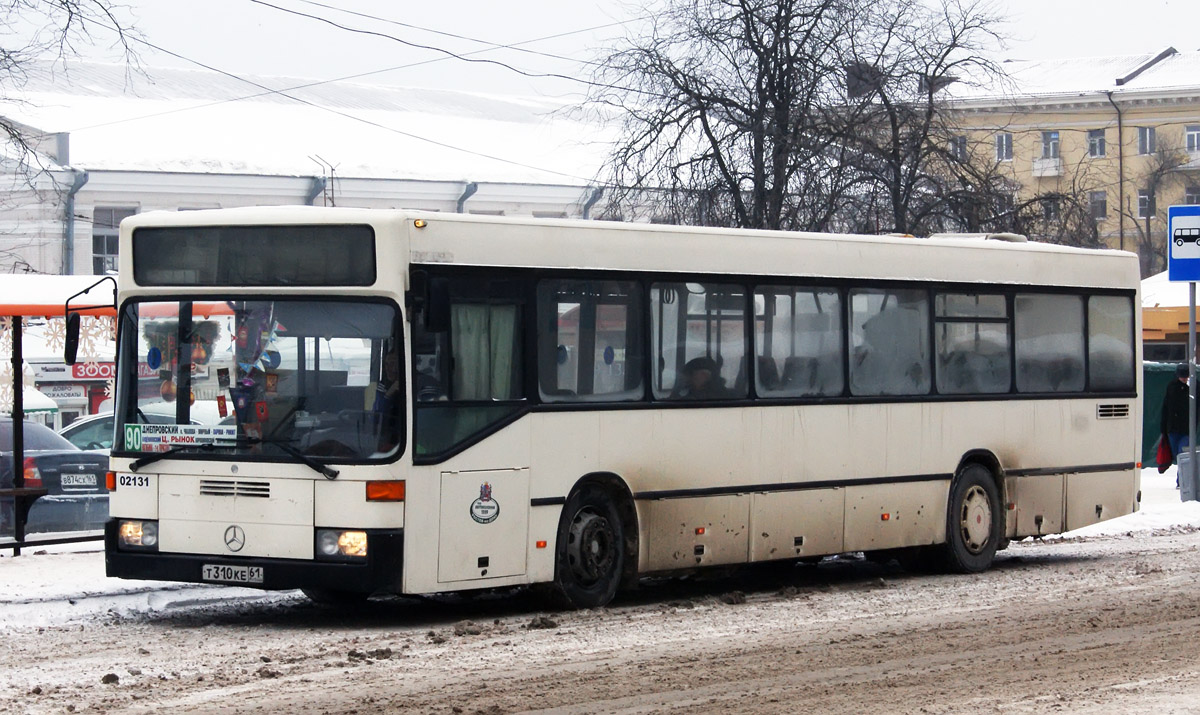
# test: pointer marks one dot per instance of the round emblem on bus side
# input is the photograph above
(485, 509)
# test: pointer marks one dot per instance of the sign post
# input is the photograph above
(1183, 264)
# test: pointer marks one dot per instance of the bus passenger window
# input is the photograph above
(798, 341)
(589, 341)
(699, 341)
(973, 354)
(1110, 343)
(1049, 343)
(889, 342)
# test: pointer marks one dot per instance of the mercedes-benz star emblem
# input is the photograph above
(235, 538)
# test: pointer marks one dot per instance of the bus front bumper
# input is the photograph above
(381, 572)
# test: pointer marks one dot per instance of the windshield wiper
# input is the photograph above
(152, 458)
(315, 464)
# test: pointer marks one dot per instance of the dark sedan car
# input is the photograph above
(77, 498)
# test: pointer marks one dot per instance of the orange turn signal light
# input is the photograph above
(541, 544)
(699, 531)
(885, 516)
(390, 490)
(110, 481)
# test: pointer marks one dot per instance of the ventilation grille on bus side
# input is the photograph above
(1112, 412)
(234, 488)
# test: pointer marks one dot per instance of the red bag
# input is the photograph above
(1163, 457)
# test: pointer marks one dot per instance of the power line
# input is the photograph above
(352, 117)
(359, 75)
(492, 45)
(418, 45)
(462, 57)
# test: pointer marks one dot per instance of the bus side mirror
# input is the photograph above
(71, 339)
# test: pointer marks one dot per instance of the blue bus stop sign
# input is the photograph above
(1183, 243)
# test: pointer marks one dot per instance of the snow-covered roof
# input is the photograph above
(1158, 292)
(1164, 70)
(200, 121)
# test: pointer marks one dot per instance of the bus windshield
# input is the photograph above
(266, 378)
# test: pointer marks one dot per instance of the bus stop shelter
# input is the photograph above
(22, 297)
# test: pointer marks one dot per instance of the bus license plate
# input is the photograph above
(79, 480)
(232, 574)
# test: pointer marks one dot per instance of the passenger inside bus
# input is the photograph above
(701, 380)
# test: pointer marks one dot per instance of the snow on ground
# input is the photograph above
(56, 584)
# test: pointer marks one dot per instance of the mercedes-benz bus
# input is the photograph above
(418, 402)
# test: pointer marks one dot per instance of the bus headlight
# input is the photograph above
(339, 545)
(137, 535)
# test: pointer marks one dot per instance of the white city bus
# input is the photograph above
(417, 402)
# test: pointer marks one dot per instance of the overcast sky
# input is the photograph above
(242, 37)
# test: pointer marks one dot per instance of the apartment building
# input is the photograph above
(1114, 139)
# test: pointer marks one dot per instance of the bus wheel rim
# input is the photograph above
(590, 547)
(976, 522)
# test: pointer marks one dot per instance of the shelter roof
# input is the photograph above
(33, 294)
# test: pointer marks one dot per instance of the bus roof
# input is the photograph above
(529, 242)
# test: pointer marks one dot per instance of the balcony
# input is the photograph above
(1043, 167)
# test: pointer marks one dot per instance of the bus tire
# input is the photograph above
(973, 521)
(590, 554)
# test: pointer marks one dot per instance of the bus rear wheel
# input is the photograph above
(590, 554)
(973, 521)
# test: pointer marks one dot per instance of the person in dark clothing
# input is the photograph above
(1175, 411)
(701, 381)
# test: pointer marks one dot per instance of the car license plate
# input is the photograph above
(232, 574)
(79, 480)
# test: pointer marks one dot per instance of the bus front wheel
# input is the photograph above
(974, 521)
(590, 554)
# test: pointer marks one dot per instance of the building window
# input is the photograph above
(1146, 140)
(1096, 146)
(1004, 147)
(106, 233)
(1191, 195)
(1050, 209)
(1192, 137)
(1146, 207)
(1098, 204)
(1049, 145)
(958, 148)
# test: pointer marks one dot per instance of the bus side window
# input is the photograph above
(589, 340)
(1049, 343)
(798, 341)
(469, 377)
(890, 342)
(699, 340)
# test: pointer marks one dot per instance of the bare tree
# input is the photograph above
(1160, 172)
(797, 114)
(902, 137)
(729, 107)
